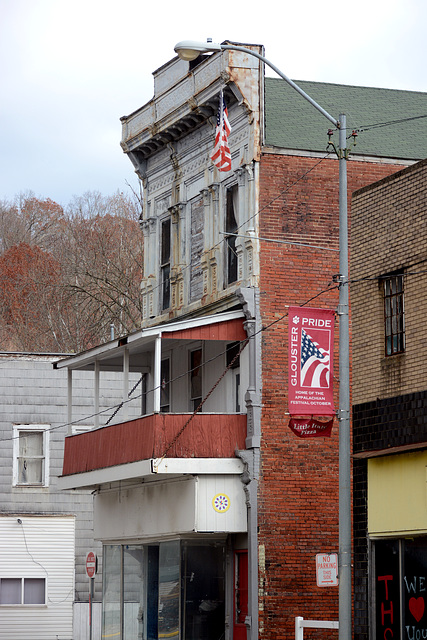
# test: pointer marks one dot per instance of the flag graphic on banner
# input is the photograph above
(221, 156)
(311, 363)
(314, 363)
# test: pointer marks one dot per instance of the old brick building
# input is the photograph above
(226, 253)
(389, 253)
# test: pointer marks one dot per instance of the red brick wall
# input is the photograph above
(298, 502)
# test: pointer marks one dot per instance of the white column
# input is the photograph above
(96, 393)
(125, 383)
(157, 372)
(70, 400)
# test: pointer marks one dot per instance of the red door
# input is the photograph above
(240, 594)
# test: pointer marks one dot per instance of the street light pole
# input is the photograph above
(190, 50)
(344, 555)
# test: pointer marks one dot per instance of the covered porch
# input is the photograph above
(183, 397)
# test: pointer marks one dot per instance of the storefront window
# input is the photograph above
(133, 592)
(173, 589)
(111, 575)
(168, 612)
(400, 588)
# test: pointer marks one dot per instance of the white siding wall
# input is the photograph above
(187, 506)
(81, 629)
(32, 392)
(40, 547)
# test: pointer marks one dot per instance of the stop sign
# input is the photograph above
(91, 564)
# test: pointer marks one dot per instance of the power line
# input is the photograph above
(389, 123)
(118, 406)
(257, 213)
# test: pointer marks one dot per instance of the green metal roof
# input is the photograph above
(391, 123)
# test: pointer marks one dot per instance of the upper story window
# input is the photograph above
(165, 263)
(196, 249)
(394, 314)
(233, 361)
(230, 240)
(195, 378)
(30, 455)
(165, 386)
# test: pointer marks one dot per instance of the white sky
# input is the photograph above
(71, 68)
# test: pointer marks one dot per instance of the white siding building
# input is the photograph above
(37, 576)
(45, 533)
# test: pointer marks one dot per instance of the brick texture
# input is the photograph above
(389, 393)
(298, 503)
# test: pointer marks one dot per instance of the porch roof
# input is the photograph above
(109, 356)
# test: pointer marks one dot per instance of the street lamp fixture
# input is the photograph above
(189, 50)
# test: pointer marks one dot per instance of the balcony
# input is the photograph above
(154, 437)
(162, 374)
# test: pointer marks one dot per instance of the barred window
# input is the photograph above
(394, 314)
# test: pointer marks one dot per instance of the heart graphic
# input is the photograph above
(416, 607)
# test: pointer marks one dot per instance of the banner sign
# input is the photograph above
(310, 364)
(311, 428)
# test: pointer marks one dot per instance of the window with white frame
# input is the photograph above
(28, 591)
(31, 455)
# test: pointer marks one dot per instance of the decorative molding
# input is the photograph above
(147, 225)
(176, 211)
(214, 188)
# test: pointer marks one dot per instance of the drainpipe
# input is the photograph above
(251, 455)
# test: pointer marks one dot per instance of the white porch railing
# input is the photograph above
(300, 624)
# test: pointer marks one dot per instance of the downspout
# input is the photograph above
(251, 455)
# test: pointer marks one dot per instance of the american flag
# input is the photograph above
(314, 363)
(221, 156)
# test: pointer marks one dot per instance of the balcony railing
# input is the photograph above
(205, 435)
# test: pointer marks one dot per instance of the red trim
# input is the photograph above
(241, 583)
(230, 330)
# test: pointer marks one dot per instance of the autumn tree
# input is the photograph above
(31, 221)
(27, 297)
(65, 277)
